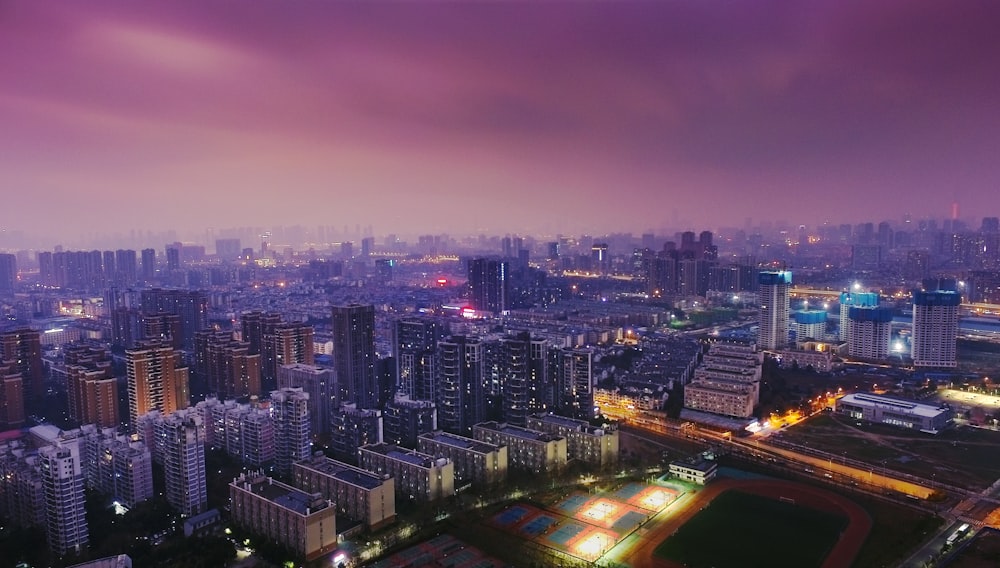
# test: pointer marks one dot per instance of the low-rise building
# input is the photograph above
(589, 444)
(357, 494)
(418, 476)
(475, 462)
(527, 450)
(896, 412)
(696, 469)
(303, 522)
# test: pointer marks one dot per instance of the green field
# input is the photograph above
(961, 456)
(741, 529)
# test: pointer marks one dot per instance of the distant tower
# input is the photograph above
(8, 273)
(773, 316)
(292, 433)
(489, 284)
(148, 264)
(935, 327)
(354, 355)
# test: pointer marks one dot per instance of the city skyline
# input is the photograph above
(535, 118)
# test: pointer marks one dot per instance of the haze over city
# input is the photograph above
(493, 117)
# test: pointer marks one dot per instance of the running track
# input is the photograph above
(843, 553)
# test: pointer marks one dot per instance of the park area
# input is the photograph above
(746, 520)
(961, 456)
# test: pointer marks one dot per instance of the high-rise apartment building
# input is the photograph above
(11, 396)
(935, 327)
(319, 383)
(773, 292)
(286, 344)
(575, 382)
(414, 341)
(853, 299)
(157, 380)
(870, 330)
(228, 367)
(526, 382)
(489, 285)
(292, 432)
(180, 441)
(190, 305)
(148, 260)
(354, 355)
(65, 515)
(8, 273)
(404, 419)
(461, 372)
(353, 427)
(22, 348)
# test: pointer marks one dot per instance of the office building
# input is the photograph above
(460, 370)
(477, 463)
(292, 431)
(417, 476)
(527, 450)
(156, 380)
(935, 328)
(588, 444)
(65, 515)
(318, 382)
(853, 299)
(357, 494)
(354, 355)
(489, 285)
(869, 331)
(773, 315)
(303, 522)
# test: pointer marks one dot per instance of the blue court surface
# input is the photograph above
(537, 526)
(573, 503)
(628, 492)
(565, 534)
(628, 522)
(510, 516)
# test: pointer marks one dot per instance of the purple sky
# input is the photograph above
(535, 117)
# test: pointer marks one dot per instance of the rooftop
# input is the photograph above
(344, 472)
(460, 442)
(896, 404)
(283, 495)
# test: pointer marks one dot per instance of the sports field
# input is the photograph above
(731, 530)
(586, 525)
